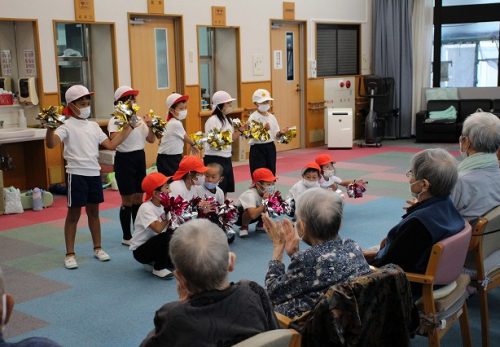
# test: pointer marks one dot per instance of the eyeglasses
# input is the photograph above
(409, 173)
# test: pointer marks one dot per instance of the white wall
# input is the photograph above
(251, 16)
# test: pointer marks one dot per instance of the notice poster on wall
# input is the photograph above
(278, 59)
(29, 63)
(6, 62)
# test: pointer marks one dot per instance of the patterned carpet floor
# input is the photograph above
(113, 303)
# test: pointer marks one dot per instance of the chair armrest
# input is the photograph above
(421, 116)
(419, 278)
(283, 320)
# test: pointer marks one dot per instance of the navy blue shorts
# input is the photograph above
(130, 170)
(83, 190)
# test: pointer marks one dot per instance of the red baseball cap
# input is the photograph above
(125, 91)
(312, 165)
(323, 159)
(153, 181)
(175, 98)
(264, 175)
(189, 163)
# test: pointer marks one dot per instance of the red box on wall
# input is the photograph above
(6, 99)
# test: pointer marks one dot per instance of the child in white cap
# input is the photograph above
(263, 153)
(82, 139)
(174, 136)
(130, 162)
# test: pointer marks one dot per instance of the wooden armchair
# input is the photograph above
(273, 338)
(483, 263)
(440, 309)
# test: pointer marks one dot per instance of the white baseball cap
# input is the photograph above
(175, 98)
(76, 92)
(261, 95)
(125, 91)
(221, 97)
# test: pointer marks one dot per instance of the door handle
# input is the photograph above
(298, 89)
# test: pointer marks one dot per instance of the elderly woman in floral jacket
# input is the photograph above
(329, 260)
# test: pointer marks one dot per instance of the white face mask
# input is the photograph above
(328, 173)
(3, 323)
(85, 112)
(199, 180)
(182, 115)
(310, 184)
(227, 110)
(263, 107)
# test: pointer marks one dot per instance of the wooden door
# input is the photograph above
(285, 74)
(153, 66)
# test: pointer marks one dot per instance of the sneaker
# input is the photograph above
(126, 242)
(101, 255)
(243, 232)
(163, 273)
(148, 267)
(70, 262)
(259, 228)
(231, 235)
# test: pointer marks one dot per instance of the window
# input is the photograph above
(337, 49)
(161, 58)
(466, 43)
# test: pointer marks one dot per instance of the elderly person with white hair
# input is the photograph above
(329, 260)
(210, 311)
(478, 187)
(7, 305)
(432, 176)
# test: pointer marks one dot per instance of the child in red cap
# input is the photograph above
(150, 240)
(189, 175)
(250, 201)
(328, 179)
(310, 179)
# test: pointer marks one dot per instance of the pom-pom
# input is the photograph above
(199, 139)
(125, 113)
(51, 117)
(258, 131)
(356, 189)
(288, 136)
(219, 140)
(157, 123)
(276, 206)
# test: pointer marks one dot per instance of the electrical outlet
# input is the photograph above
(258, 64)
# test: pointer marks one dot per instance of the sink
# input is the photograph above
(10, 133)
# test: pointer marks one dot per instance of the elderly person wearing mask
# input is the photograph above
(210, 311)
(7, 305)
(329, 260)
(478, 187)
(432, 218)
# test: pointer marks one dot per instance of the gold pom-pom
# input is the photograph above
(288, 136)
(51, 117)
(157, 123)
(125, 113)
(219, 140)
(258, 131)
(199, 139)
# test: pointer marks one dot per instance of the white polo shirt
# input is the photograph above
(172, 141)
(135, 141)
(214, 122)
(147, 214)
(249, 199)
(326, 183)
(204, 193)
(179, 188)
(273, 123)
(81, 139)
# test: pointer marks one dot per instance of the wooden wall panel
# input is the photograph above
(193, 120)
(314, 115)
(49, 99)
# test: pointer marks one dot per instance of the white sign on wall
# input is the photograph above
(278, 59)
(6, 62)
(29, 63)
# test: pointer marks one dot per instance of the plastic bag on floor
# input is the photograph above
(12, 198)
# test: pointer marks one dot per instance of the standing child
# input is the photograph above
(130, 163)
(221, 108)
(210, 188)
(150, 241)
(250, 201)
(174, 136)
(263, 153)
(310, 179)
(328, 178)
(81, 139)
